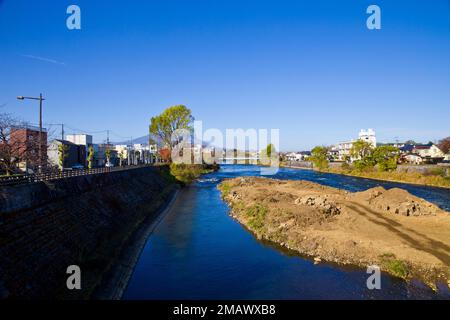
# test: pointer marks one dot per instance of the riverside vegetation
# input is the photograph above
(406, 236)
(377, 163)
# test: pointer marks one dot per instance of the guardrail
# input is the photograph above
(49, 176)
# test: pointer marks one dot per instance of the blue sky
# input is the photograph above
(310, 68)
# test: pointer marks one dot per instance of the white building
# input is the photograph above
(296, 156)
(413, 159)
(80, 139)
(447, 157)
(343, 148)
(429, 152)
(368, 136)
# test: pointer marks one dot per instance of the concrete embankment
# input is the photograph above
(87, 221)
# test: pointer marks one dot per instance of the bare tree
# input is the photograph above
(444, 145)
(16, 148)
(11, 152)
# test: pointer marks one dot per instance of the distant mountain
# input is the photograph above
(140, 140)
(144, 140)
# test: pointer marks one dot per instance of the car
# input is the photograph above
(109, 165)
(78, 167)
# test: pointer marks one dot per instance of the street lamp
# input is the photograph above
(40, 98)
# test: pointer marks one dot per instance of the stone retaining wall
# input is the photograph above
(84, 221)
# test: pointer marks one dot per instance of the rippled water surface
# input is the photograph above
(199, 252)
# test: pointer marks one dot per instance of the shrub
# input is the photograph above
(186, 173)
(256, 215)
(394, 266)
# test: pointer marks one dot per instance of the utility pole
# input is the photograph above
(41, 99)
(62, 128)
(107, 137)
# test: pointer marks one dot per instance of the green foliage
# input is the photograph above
(386, 157)
(62, 154)
(256, 215)
(362, 151)
(394, 266)
(225, 188)
(345, 166)
(268, 155)
(172, 119)
(270, 149)
(186, 173)
(108, 154)
(319, 157)
(90, 157)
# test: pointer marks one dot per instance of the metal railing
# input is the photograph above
(55, 175)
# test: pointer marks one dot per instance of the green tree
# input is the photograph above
(121, 157)
(362, 151)
(411, 142)
(167, 123)
(270, 150)
(62, 154)
(90, 157)
(319, 157)
(108, 155)
(268, 154)
(386, 157)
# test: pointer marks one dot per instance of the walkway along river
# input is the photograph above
(199, 252)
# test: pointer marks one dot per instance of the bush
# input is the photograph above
(394, 266)
(256, 215)
(186, 173)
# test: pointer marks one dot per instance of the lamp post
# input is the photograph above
(40, 99)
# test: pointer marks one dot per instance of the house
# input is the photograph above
(406, 149)
(100, 154)
(73, 154)
(412, 159)
(344, 148)
(430, 153)
(123, 153)
(24, 144)
(144, 154)
(297, 156)
(447, 157)
(81, 140)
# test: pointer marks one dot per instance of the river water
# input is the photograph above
(199, 252)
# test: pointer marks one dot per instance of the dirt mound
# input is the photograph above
(363, 228)
(397, 201)
(322, 203)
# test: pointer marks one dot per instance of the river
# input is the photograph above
(199, 252)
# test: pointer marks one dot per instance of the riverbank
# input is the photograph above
(401, 177)
(413, 178)
(117, 279)
(405, 235)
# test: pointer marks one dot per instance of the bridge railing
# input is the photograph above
(54, 175)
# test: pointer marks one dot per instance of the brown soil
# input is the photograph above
(403, 234)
